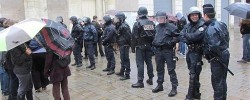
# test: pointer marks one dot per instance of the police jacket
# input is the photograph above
(90, 33)
(109, 34)
(166, 35)
(192, 33)
(143, 32)
(77, 32)
(215, 39)
(123, 34)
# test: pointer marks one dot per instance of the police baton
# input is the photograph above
(219, 60)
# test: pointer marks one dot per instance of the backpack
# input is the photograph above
(63, 62)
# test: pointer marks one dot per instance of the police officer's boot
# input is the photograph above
(139, 84)
(78, 65)
(158, 88)
(93, 67)
(125, 77)
(150, 81)
(111, 72)
(106, 70)
(74, 64)
(173, 92)
(121, 73)
(89, 66)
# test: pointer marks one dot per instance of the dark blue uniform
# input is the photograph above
(193, 35)
(124, 40)
(142, 36)
(90, 38)
(77, 33)
(108, 41)
(216, 44)
(164, 41)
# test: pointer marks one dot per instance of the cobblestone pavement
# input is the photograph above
(85, 84)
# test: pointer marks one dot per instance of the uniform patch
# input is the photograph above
(201, 29)
(148, 27)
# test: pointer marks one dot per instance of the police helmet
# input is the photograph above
(142, 11)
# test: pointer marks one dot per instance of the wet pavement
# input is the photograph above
(85, 84)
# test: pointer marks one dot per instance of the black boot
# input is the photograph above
(79, 65)
(149, 81)
(106, 70)
(120, 74)
(89, 66)
(173, 92)
(111, 72)
(139, 84)
(93, 67)
(73, 64)
(125, 77)
(158, 88)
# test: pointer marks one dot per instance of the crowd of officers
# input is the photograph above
(204, 35)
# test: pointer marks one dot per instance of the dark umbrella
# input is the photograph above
(239, 9)
(57, 38)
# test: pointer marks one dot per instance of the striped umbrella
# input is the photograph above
(19, 33)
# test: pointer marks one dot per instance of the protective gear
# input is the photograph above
(142, 12)
(107, 19)
(86, 20)
(142, 37)
(165, 35)
(161, 17)
(120, 16)
(164, 41)
(192, 34)
(123, 39)
(194, 10)
(108, 40)
(219, 73)
(73, 19)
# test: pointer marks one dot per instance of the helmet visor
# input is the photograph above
(161, 19)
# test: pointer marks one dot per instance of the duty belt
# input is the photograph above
(164, 47)
(194, 47)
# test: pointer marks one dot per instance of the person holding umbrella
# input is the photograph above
(22, 61)
(245, 31)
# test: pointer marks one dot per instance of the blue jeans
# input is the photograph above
(182, 47)
(246, 47)
(4, 80)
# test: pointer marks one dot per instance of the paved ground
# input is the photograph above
(96, 85)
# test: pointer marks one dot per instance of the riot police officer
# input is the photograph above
(165, 39)
(142, 36)
(192, 35)
(123, 39)
(90, 38)
(77, 33)
(108, 40)
(215, 50)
